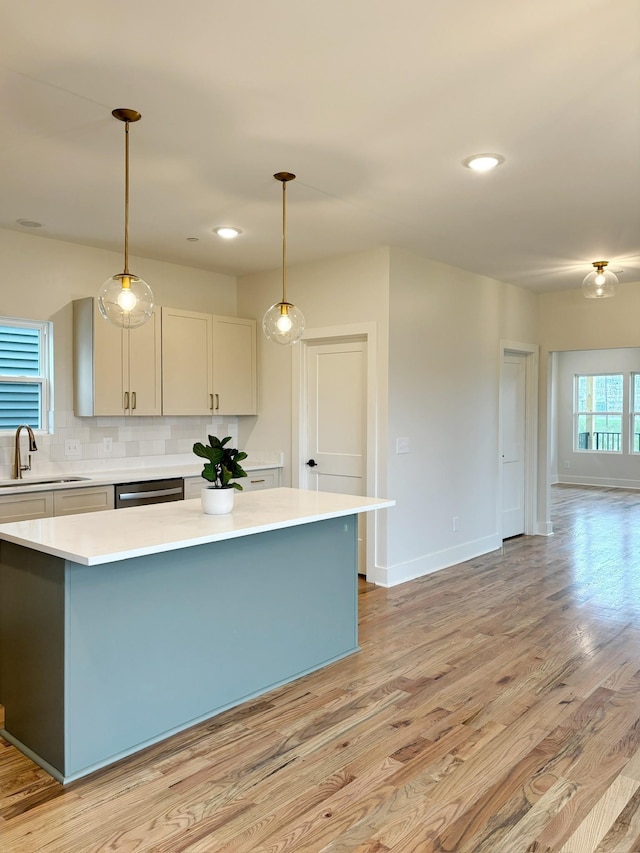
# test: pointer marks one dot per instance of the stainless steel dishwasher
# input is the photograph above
(149, 492)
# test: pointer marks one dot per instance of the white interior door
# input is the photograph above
(336, 410)
(513, 437)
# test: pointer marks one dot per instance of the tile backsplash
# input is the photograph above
(131, 442)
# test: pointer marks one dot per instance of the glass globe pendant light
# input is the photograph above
(600, 283)
(283, 323)
(125, 299)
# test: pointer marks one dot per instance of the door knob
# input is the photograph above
(312, 463)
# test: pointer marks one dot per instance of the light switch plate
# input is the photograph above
(402, 445)
(72, 448)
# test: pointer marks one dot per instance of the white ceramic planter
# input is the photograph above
(217, 501)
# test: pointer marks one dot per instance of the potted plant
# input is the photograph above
(220, 470)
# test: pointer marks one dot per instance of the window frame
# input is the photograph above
(45, 377)
(578, 413)
(634, 412)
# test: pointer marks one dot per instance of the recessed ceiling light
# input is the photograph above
(192, 239)
(227, 232)
(483, 162)
(29, 223)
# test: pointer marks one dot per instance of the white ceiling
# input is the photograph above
(372, 103)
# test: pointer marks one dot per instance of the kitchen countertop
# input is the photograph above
(33, 483)
(112, 535)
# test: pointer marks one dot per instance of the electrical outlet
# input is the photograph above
(402, 445)
(72, 448)
(567, 464)
(107, 446)
(455, 524)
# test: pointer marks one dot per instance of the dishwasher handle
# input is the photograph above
(157, 493)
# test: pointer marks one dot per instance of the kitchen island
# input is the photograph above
(119, 629)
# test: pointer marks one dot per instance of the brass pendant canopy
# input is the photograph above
(283, 323)
(125, 299)
(601, 283)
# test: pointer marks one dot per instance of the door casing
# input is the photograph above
(334, 334)
(530, 352)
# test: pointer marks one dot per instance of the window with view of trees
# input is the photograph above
(599, 412)
(24, 373)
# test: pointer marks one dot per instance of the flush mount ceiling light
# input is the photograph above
(483, 162)
(283, 323)
(227, 232)
(600, 283)
(125, 299)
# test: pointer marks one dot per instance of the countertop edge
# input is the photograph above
(293, 507)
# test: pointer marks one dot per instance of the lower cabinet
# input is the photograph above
(267, 478)
(93, 499)
(264, 478)
(55, 503)
(192, 486)
(24, 507)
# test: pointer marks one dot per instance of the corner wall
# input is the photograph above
(445, 329)
(439, 336)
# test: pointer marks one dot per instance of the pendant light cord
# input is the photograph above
(126, 198)
(284, 241)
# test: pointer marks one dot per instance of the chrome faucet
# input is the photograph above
(18, 467)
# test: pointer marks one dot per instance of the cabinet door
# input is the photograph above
(144, 360)
(23, 507)
(99, 356)
(109, 366)
(234, 366)
(186, 363)
(269, 478)
(73, 501)
(192, 487)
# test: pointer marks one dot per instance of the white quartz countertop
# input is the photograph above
(47, 483)
(106, 537)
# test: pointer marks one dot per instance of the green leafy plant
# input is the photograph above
(223, 463)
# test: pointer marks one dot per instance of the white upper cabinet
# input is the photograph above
(234, 366)
(116, 371)
(179, 363)
(187, 385)
(208, 364)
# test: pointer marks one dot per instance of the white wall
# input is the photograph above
(439, 333)
(445, 329)
(41, 278)
(336, 292)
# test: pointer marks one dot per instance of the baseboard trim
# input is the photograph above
(603, 482)
(430, 563)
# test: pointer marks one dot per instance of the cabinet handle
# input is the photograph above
(257, 481)
(217, 396)
(211, 401)
(133, 400)
(126, 400)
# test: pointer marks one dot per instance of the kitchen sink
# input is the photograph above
(53, 481)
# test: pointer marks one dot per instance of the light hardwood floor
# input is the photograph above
(494, 708)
